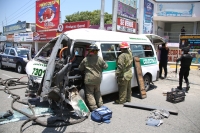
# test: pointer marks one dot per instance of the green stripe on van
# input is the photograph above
(143, 61)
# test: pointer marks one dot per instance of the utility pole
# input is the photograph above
(102, 15)
(141, 16)
(114, 13)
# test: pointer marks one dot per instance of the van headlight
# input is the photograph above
(25, 60)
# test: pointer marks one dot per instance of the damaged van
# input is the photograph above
(54, 69)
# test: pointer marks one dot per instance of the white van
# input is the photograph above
(70, 48)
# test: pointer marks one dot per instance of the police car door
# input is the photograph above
(5, 57)
(11, 57)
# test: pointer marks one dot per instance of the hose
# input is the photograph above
(16, 98)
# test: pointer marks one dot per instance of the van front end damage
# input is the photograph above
(56, 81)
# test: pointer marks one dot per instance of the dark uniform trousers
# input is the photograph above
(184, 72)
(93, 96)
(125, 92)
(164, 66)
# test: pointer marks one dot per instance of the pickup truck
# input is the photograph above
(14, 57)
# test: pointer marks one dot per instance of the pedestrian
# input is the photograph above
(183, 30)
(186, 60)
(93, 66)
(124, 73)
(164, 51)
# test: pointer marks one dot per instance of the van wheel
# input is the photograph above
(147, 82)
(82, 93)
(19, 68)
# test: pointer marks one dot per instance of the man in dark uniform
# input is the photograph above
(93, 66)
(186, 60)
(164, 51)
(124, 74)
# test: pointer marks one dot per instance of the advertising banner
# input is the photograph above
(132, 3)
(192, 41)
(44, 36)
(126, 11)
(23, 37)
(148, 17)
(47, 14)
(126, 25)
(170, 9)
(15, 28)
(174, 53)
(73, 25)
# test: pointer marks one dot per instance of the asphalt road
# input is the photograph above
(125, 119)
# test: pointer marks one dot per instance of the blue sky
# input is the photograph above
(13, 10)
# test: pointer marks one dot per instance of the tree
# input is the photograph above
(94, 17)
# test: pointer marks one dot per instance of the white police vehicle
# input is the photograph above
(14, 57)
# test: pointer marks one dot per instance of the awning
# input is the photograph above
(176, 19)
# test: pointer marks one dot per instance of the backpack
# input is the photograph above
(102, 114)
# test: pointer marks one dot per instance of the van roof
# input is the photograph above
(103, 35)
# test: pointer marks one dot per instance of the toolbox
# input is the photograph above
(176, 96)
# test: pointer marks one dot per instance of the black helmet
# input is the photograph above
(186, 49)
(93, 47)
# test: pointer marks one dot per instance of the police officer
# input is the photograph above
(186, 60)
(93, 66)
(124, 73)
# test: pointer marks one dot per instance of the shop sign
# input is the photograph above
(47, 14)
(106, 26)
(15, 28)
(170, 9)
(73, 25)
(44, 36)
(10, 37)
(126, 11)
(192, 41)
(126, 25)
(23, 37)
(174, 53)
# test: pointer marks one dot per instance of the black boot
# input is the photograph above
(179, 87)
(187, 86)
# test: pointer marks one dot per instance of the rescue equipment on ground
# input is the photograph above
(176, 96)
(102, 114)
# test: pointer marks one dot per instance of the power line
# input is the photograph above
(21, 14)
(17, 10)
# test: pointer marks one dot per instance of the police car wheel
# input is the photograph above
(147, 82)
(1, 66)
(19, 68)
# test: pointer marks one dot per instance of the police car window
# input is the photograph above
(109, 51)
(6, 51)
(12, 52)
(22, 52)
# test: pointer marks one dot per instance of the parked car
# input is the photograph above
(15, 58)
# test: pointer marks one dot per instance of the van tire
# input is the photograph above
(19, 68)
(82, 93)
(147, 82)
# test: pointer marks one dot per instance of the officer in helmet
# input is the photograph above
(93, 66)
(186, 60)
(124, 73)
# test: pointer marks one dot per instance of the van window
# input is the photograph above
(142, 51)
(110, 51)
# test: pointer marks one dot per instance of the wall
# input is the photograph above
(160, 28)
(196, 11)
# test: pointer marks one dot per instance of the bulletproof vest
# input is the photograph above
(186, 60)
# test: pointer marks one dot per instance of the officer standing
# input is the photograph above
(164, 51)
(124, 74)
(93, 66)
(186, 60)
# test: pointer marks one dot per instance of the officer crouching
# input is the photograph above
(186, 60)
